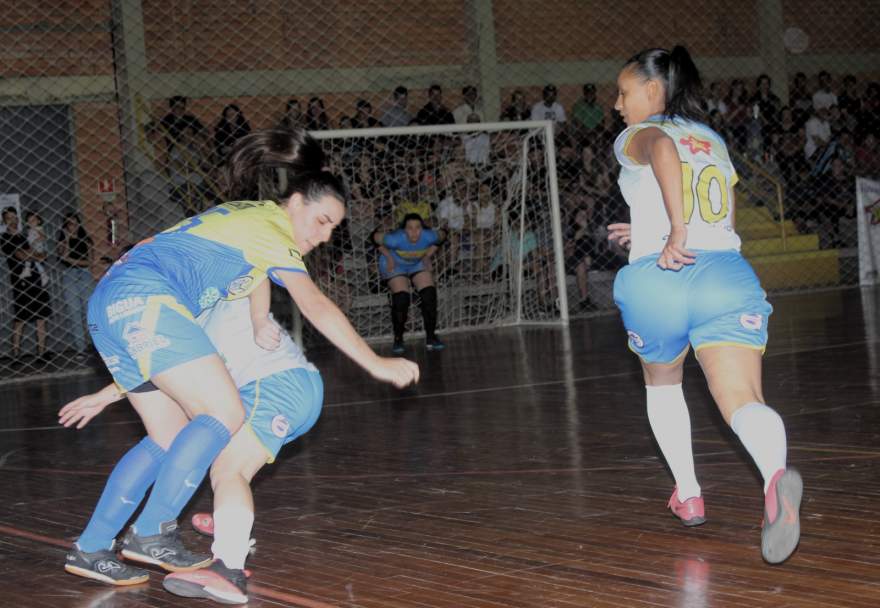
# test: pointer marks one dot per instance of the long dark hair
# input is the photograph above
(680, 77)
(266, 163)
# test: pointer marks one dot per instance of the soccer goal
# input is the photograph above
(490, 186)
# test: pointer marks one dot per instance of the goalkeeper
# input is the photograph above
(405, 261)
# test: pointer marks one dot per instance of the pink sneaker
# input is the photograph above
(203, 523)
(216, 582)
(691, 512)
(782, 525)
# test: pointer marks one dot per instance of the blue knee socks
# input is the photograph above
(184, 468)
(133, 474)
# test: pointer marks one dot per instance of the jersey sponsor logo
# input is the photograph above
(125, 308)
(240, 285)
(209, 297)
(751, 321)
(635, 339)
(696, 145)
(141, 342)
(280, 426)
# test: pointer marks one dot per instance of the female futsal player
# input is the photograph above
(405, 252)
(282, 394)
(141, 318)
(687, 284)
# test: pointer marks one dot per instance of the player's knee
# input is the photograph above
(400, 300)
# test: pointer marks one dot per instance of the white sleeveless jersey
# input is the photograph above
(228, 325)
(708, 178)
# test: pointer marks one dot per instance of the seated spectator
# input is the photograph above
(483, 215)
(715, 100)
(568, 164)
(397, 115)
(451, 215)
(468, 107)
(518, 109)
(835, 200)
(869, 117)
(800, 196)
(188, 164)
(868, 157)
(579, 245)
(316, 115)
(818, 131)
(768, 106)
(434, 112)
(800, 100)
(293, 116)
(177, 120)
(849, 100)
(824, 97)
(737, 113)
(548, 108)
(586, 114)
(477, 144)
(363, 117)
(593, 177)
(231, 126)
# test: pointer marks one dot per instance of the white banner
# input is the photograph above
(868, 212)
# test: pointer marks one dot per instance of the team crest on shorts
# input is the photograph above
(280, 426)
(240, 285)
(636, 339)
(751, 321)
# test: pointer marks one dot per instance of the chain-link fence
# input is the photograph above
(116, 114)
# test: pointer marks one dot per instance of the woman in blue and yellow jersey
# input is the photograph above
(142, 321)
(688, 285)
(405, 261)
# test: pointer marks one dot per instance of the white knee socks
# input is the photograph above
(762, 433)
(671, 424)
(232, 534)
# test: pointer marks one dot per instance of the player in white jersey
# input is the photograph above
(282, 393)
(688, 285)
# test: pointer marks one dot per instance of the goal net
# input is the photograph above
(490, 186)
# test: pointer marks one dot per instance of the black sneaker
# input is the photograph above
(165, 550)
(434, 344)
(216, 582)
(397, 348)
(104, 566)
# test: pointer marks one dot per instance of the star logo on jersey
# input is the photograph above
(696, 145)
(873, 211)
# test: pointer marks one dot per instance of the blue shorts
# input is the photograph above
(716, 301)
(140, 328)
(401, 269)
(283, 406)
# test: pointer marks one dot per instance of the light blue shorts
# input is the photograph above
(716, 301)
(282, 407)
(404, 269)
(140, 327)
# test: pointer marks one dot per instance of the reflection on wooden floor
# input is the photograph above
(521, 473)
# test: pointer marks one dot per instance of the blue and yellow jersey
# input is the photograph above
(708, 178)
(220, 254)
(403, 251)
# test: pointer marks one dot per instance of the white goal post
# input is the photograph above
(491, 186)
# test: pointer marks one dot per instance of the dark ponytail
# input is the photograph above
(680, 77)
(262, 163)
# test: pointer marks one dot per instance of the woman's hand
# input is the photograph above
(674, 255)
(621, 234)
(267, 333)
(85, 408)
(396, 371)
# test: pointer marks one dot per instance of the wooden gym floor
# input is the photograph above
(520, 473)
